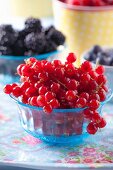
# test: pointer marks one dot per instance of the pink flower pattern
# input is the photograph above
(31, 140)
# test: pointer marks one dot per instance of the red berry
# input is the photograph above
(41, 100)
(30, 61)
(47, 108)
(33, 101)
(27, 71)
(94, 96)
(98, 3)
(59, 72)
(17, 91)
(100, 70)
(93, 86)
(72, 84)
(81, 102)
(85, 77)
(31, 91)
(55, 87)
(37, 66)
(23, 79)
(94, 104)
(25, 85)
(91, 128)
(84, 95)
(71, 58)
(43, 77)
(8, 89)
(38, 85)
(93, 74)
(33, 79)
(24, 99)
(70, 69)
(71, 95)
(105, 88)
(96, 117)
(42, 90)
(54, 103)
(14, 85)
(86, 66)
(74, 2)
(101, 80)
(49, 96)
(48, 67)
(19, 69)
(88, 113)
(102, 123)
(56, 63)
(102, 94)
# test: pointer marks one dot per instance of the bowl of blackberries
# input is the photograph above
(102, 56)
(32, 40)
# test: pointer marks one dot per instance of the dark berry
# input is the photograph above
(49, 46)
(33, 25)
(35, 42)
(5, 50)
(56, 36)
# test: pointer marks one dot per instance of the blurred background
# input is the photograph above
(26, 8)
(16, 11)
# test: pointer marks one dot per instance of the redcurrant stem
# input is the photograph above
(60, 82)
(99, 87)
(97, 63)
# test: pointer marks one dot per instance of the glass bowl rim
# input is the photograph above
(110, 95)
(87, 51)
(84, 8)
(39, 57)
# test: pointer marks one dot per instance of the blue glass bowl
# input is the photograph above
(62, 126)
(8, 65)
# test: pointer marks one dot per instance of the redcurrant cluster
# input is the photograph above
(55, 85)
(90, 2)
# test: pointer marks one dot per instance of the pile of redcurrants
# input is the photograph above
(90, 2)
(56, 85)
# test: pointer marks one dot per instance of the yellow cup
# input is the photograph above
(84, 26)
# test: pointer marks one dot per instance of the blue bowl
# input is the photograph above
(8, 65)
(62, 126)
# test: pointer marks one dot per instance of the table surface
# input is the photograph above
(17, 148)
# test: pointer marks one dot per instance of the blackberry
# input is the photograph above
(56, 36)
(7, 28)
(5, 50)
(96, 49)
(104, 58)
(109, 51)
(33, 25)
(7, 37)
(49, 29)
(19, 48)
(49, 46)
(22, 34)
(35, 42)
(91, 56)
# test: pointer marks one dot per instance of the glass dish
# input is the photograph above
(62, 126)
(8, 64)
